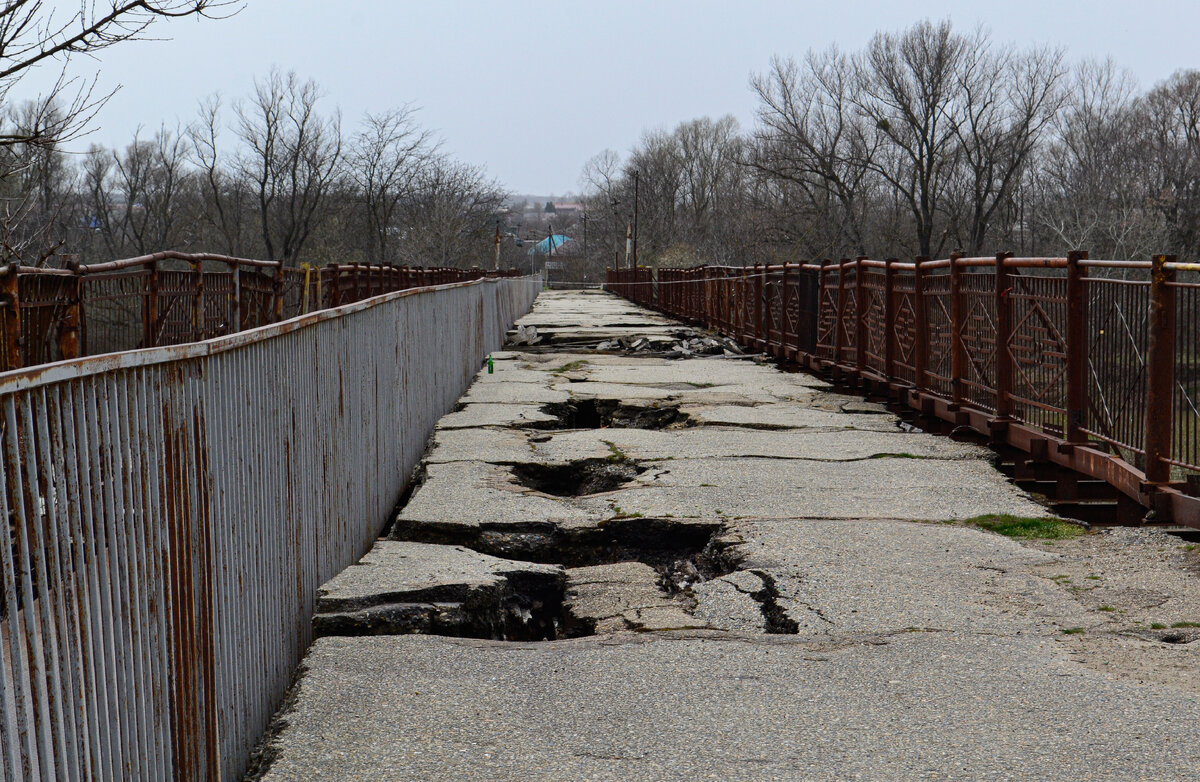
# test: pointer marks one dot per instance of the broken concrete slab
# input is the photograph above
(518, 447)
(515, 393)
(495, 414)
(728, 603)
(469, 494)
(407, 587)
(623, 596)
(836, 576)
(887, 488)
(785, 415)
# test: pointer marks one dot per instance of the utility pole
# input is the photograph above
(628, 241)
(636, 177)
(497, 242)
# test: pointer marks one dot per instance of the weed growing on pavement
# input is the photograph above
(1027, 528)
(569, 367)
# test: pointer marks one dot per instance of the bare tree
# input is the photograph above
(385, 162)
(812, 141)
(292, 157)
(1091, 184)
(1173, 114)
(909, 88)
(450, 218)
(224, 197)
(33, 32)
(1007, 102)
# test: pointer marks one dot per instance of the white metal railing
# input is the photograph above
(172, 511)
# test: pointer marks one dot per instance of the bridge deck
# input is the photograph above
(750, 576)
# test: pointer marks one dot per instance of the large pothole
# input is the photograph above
(577, 479)
(603, 413)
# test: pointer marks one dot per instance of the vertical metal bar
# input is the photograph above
(235, 298)
(119, 579)
(958, 350)
(92, 542)
(839, 340)
(861, 313)
(277, 294)
(922, 326)
(1077, 347)
(1004, 334)
(68, 330)
(307, 267)
(52, 598)
(889, 318)
(1160, 367)
(150, 308)
(26, 734)
(44, 750)
(10, 288)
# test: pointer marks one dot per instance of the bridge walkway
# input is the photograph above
(645, 564)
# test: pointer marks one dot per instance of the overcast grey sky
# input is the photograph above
(532, 89)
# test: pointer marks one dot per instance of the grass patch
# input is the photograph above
(1106, 608)
(1190, 547)
(615, 454)
(1178, 625)
(1074, 630)
(1027, 528)
(1157, 626)
(1093, 577)
(570, 367)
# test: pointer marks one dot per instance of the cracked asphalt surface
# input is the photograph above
(836, 619)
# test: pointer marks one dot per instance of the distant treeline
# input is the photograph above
(273, 175)
(926, 141)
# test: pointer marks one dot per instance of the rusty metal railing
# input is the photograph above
(171, 511)
(1093, 365)
(171, 298)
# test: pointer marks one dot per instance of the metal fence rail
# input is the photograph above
(170, 513)
(171, 298)
(1093, 365)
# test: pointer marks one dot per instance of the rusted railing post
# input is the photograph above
(335, 287)
(1077, 347)
(68, 330)
(861, 314)
(889, 319)
(150, 307)
(304, 296)
(12, 317)
(277, 294)
(1160, 370)
(839, 335)
(197, 302)
(923, 326)
(1004, 330)
(958, 351)
(760, 293)
(235, 298)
